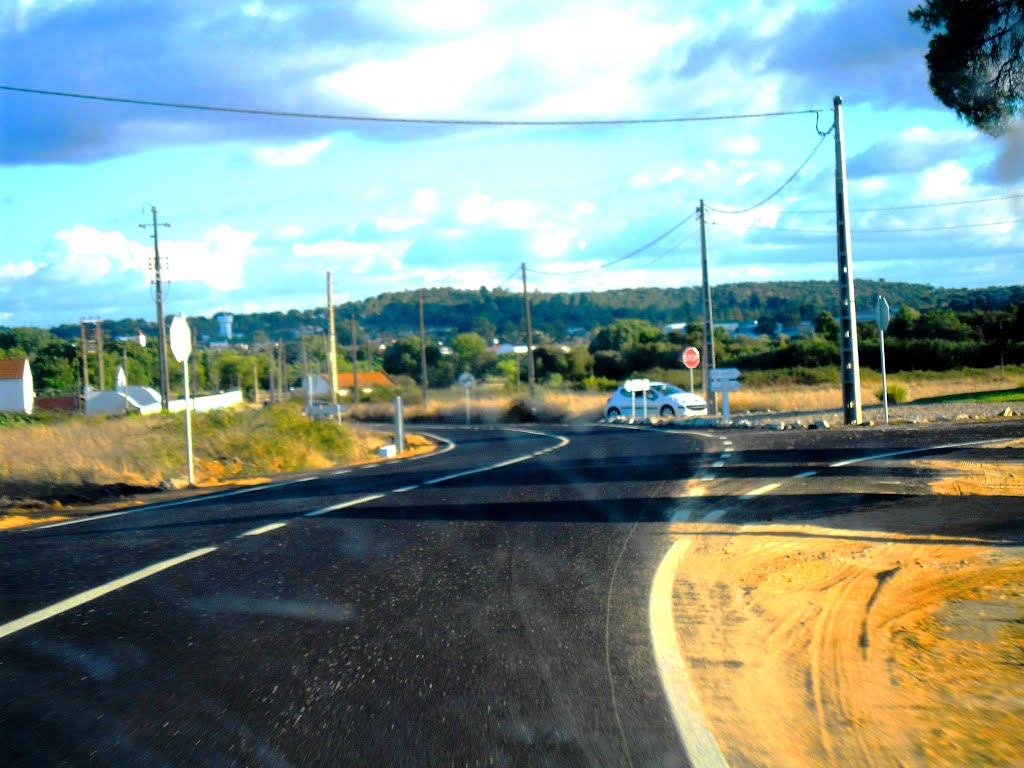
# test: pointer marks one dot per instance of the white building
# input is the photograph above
(17, 393)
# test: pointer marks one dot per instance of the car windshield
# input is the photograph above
(487, 382)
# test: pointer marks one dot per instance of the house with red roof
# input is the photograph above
(368, 380)
(17, 393)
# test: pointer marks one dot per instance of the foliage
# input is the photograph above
(976, 58)
(897, 393)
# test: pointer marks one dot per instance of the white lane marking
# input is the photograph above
(707, 478)
(718, 464)
(681, 516)
(305, 479)
(759, 491)
(726, 452)
(713, 515)
(926, 449)
(342, 505)
(91, 594)
(562, 442)
(405, 489)
(341, 472)
(809, 473)
(79, 520)
(700, 744)
(260, 531)
(727, 442)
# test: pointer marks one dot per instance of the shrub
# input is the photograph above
(897, 393)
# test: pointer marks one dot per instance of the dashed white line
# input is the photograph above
(809, 473)
(713, 515)
(759, 491)
(341, 472)
(342, 505)
(91, 594)
(718, 464)
(260, 531)
(405, 489)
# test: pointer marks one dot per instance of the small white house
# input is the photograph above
(17, 393)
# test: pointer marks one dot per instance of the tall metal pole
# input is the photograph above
(423, 352)
(332, 343)
(531, 371)
(708, 352)
(355, 364)
(849, 356)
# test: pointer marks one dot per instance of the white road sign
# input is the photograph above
(724, 385)
(882, 314)
(718, 374)
(467, 379)
(181, 339)
(637, 385)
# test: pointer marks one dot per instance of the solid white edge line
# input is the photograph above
(91, 594)
(809, 473)
(562, 442)
(890, 454)
(759, 491)
(699, 742)
(713, 515)
(342, 505)
(80, 520)
(405, 489)
(260, 531)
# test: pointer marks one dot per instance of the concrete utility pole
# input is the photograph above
(849, 356)
(332, 343)
(99, 354)
(307, 384)
(161, 330)
(531, 371)
(255, 384)
(282, 379)
(423, 352)
(708, 352)
(271, 365)
(355, 364)
(85, 359)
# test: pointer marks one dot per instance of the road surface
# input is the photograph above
(485, 605)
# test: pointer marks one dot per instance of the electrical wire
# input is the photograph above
(909, 207)
(872, 230)
(405, 120)
(785, 184)
(635, 252)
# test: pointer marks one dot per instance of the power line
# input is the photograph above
(904, 207)
(785, 184)
(630, 255)
(406, 120)
(871, 230)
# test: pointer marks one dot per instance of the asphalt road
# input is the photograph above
(483, 606)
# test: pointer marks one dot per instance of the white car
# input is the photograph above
(663, 400)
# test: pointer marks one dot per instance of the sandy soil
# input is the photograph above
(842, 642)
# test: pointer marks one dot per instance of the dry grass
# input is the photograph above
(489, 407)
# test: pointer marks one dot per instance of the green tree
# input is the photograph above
(827, 326)
(976, 58)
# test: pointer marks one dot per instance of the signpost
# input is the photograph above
(691, 359)
(466, 381)
(633, 386)
(724, 380)
(181, 348)
(882, 319)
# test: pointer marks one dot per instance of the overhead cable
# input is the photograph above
(785, 184)
(406, 120)
(872, 230)
(618, 260)
(908, 207)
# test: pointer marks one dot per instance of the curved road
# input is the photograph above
(486, 605)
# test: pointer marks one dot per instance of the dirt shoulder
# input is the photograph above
(842, 642)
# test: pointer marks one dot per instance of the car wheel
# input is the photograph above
(612, 413)
(667, 412)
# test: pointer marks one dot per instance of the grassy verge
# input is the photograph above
(994, 395)
(46, 466)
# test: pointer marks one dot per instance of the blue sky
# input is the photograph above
(261, 207)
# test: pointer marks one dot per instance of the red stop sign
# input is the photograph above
(691, 357)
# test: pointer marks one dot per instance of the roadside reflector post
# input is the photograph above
(181, 348)
(399, 425)
(466, 381)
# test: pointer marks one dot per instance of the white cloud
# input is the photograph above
(84, 255)
(947, 181)
(553, 242)
(302, 153)
(259, 10)
(290, 231)
(360, 257)
(397, 223)
(425, 201)
(218, 260)
(15, 270)
(480, 208)
(743, 145)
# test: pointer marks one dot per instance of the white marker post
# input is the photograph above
(882, 318)
(466, 381)
(181, 348)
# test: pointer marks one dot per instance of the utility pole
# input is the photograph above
(531, 372)
(849, 356)
(332, 343)
(85, 359)
(711, 398)
(99, 353)
(271, 365)
(307, 385)
(255, 384)
(423, 351)
(282, 363)
(355, 363)
(161, 330)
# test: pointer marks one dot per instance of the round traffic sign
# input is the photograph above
(181, 339)
(691, 357)
(467, 379)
